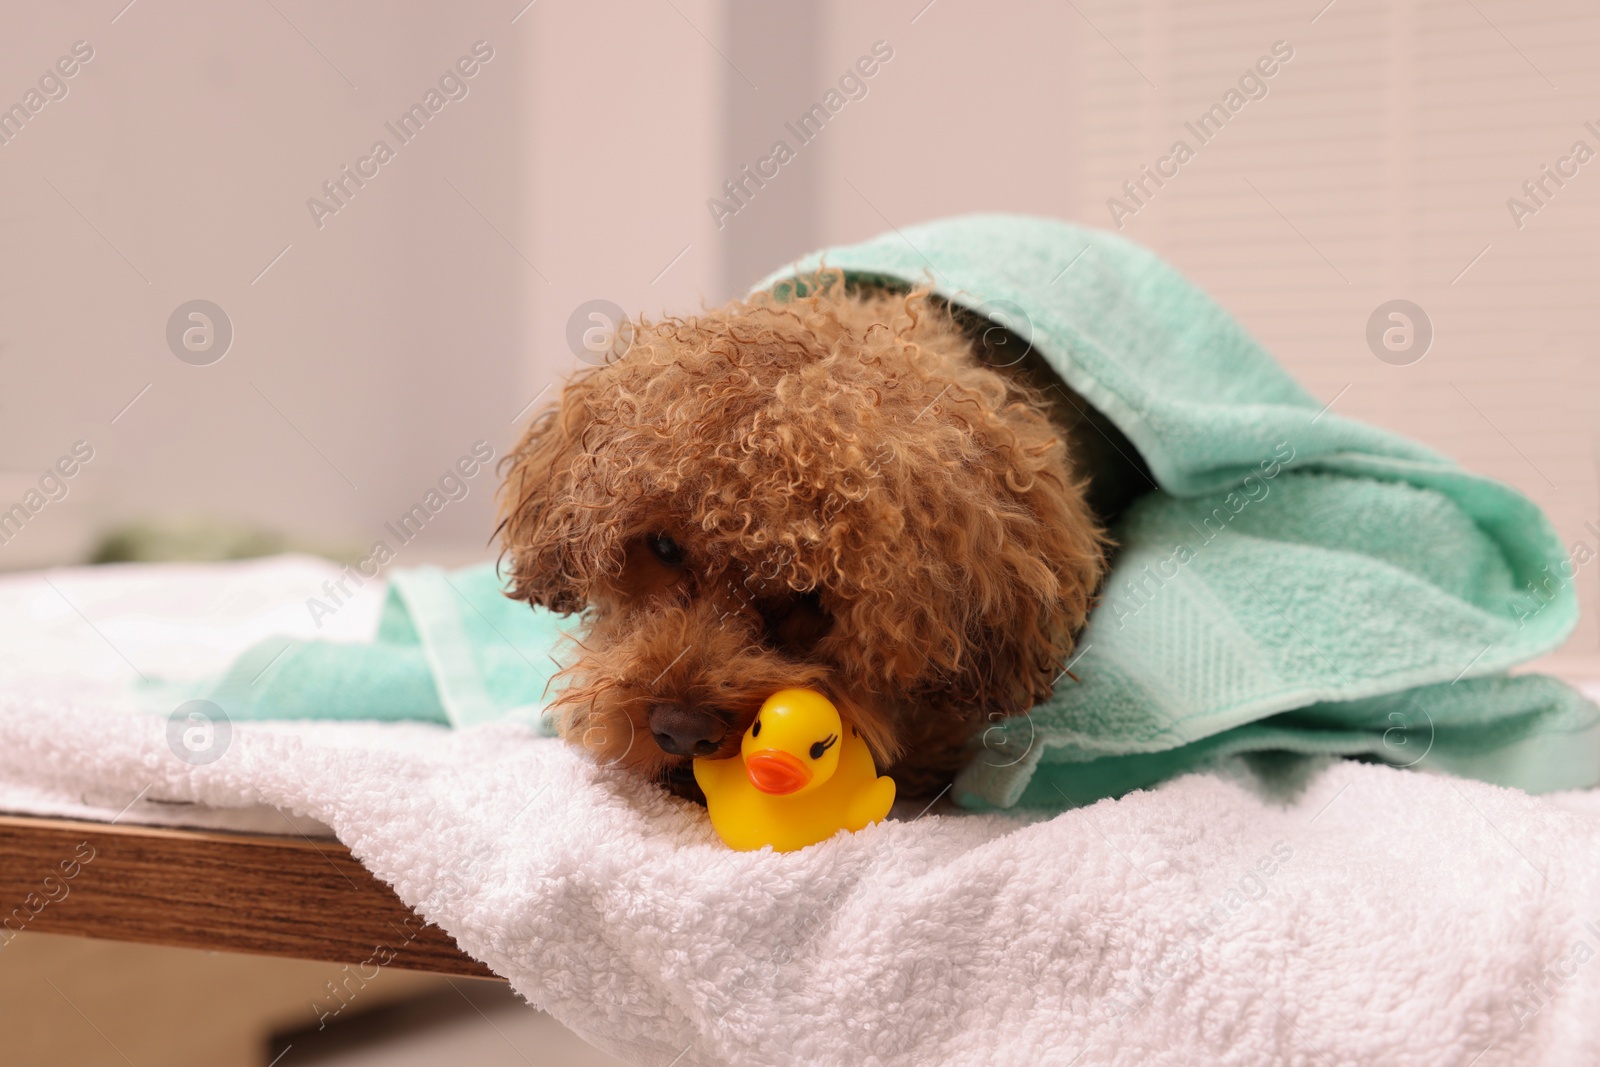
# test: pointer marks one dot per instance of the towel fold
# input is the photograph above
(1290, 559)
(450, 648)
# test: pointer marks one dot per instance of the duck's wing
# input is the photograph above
(713, 775)
(871, 804)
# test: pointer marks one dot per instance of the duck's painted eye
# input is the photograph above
(755, 731)
(665, 549)
(822, 746)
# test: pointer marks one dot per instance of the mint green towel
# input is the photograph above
(1301, 582)
(450, 649)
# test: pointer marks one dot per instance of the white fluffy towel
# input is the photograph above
(1356, 915)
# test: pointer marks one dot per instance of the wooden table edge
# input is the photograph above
(215, 890)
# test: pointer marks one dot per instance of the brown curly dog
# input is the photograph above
(861, 491)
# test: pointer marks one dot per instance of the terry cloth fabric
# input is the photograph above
(1300, 581)
(1347, 914)
(450, 648)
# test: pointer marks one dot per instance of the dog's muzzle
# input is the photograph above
(683, 731)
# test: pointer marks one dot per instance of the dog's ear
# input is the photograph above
(1032, 593)
(992, 577)
(547, 525)
(976, 556)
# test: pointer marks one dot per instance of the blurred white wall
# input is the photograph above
(368, 352)
(373, 347)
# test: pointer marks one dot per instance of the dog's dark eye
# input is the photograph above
(822, 746)
(665, 549)
(756, 731)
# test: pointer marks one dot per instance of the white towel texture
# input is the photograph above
(1265, 912)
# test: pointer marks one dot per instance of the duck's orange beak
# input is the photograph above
(775, 772)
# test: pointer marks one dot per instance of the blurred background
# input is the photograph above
(371, 317)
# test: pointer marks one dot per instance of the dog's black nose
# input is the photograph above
(686, 731)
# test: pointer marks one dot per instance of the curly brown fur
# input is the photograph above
(860, 505)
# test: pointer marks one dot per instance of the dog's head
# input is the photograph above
(829, 492)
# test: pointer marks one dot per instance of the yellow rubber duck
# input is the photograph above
(801, 776)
